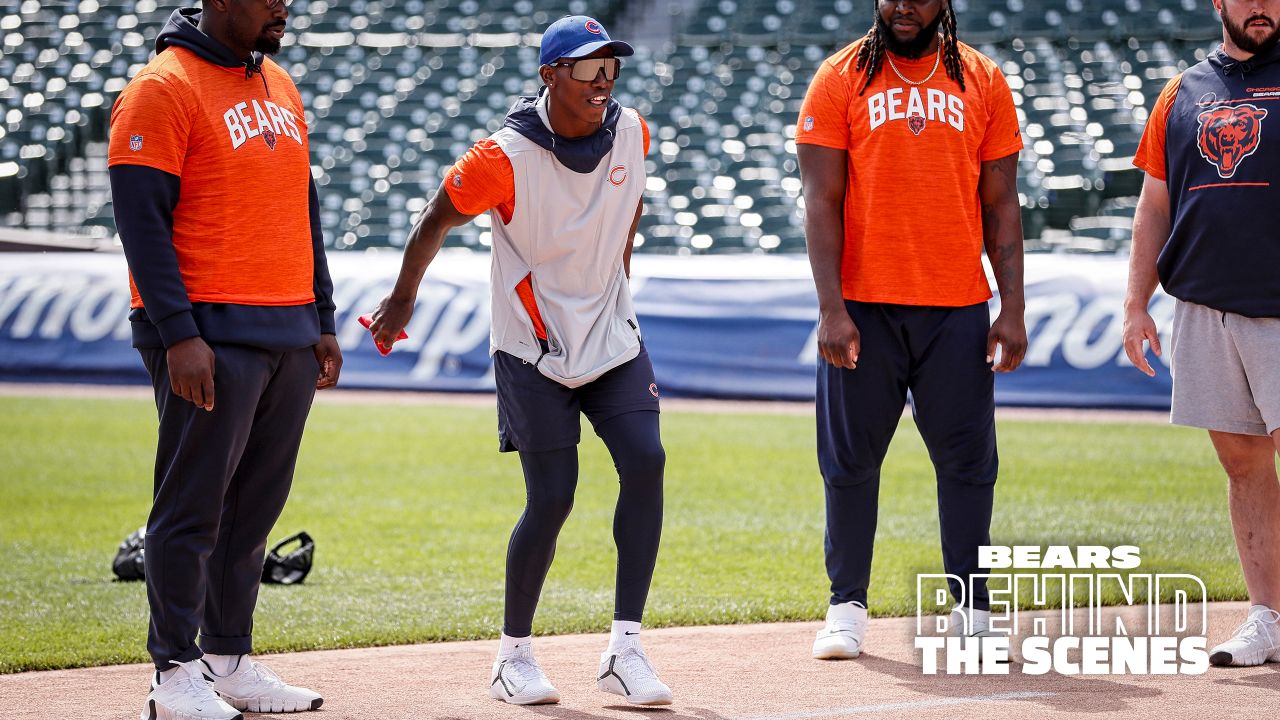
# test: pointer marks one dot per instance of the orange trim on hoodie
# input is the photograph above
(482, 180)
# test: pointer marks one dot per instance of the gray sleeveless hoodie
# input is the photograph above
(569, 231)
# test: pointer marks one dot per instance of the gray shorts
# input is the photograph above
(1226, 373)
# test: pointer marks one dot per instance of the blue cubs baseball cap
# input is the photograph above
(575, 36)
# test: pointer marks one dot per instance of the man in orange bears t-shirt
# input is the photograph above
(908, 145)
(211, 181)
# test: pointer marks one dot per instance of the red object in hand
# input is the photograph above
(367, 320)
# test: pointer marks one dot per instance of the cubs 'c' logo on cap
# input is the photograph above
(1229, 134)
(269, 138)
(618, 174)
(135, 142)
(916, 123)
(593, 27)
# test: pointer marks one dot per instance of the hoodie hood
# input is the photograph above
(183, 31)
(581, 155)
(1230, 65)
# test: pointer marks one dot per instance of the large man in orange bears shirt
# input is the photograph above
(234, 318)
(562, 182)
(908, 144)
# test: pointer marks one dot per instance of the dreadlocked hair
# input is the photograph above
(951, 47)
(871, 54)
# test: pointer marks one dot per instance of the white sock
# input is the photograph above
(624, 634)
(222, 665)
(507, 645)
(166, 674)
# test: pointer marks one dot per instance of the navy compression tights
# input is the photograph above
(550, 479)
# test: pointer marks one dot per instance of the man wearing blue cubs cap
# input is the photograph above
(577, 36)
(562, 182)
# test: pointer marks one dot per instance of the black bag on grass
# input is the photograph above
(279, 568)
(128, 564)
(289, 568)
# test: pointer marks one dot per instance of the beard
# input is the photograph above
(1239, 33)
(266, 44)
(913, 48)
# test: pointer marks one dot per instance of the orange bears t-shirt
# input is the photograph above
(242, 226)
(1150, 155)
(912, 218)
(483, 180)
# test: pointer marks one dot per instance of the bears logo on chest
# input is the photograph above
(1228, 134)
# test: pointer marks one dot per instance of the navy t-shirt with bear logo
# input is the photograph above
(1214, 138)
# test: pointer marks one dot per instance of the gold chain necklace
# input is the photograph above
(936, 61)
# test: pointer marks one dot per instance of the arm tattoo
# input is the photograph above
(1002, 242)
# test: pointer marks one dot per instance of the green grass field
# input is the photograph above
(411, 507)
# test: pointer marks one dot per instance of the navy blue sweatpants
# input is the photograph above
(939, 354)
(221, 480)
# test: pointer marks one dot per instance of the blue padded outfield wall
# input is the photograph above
(715, 326)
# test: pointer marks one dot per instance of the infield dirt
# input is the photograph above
(744, 672)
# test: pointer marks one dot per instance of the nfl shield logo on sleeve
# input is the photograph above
(135, 142)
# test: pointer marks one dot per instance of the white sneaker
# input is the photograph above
(979, 623)
(1256, 641)
(519, 681)
(253, 687)
(187, 695)
(841, 639)
(629, 673)
(979, 627)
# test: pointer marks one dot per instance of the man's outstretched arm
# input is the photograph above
(425, 240)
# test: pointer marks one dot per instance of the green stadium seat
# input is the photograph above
(396, 89)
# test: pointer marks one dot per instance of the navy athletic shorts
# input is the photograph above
(537, 414)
